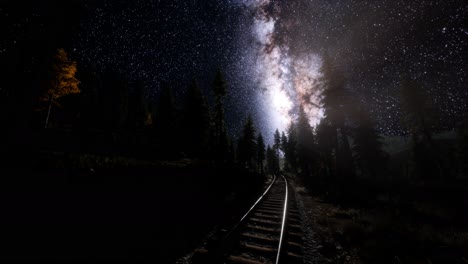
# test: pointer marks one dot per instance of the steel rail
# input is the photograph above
(250, 210)
(285, 208)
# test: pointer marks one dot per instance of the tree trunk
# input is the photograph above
(346, 154)
(48, 111)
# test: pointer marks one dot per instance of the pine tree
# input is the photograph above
(284, 142)
(138, 109)
(326, 138)
(231, 153)
(241, 151)
(418, 112)
(220, 133)
(223, 147)
(260, 152)
(90, 107)
(62, 80)
(247, 144)
(463, 144)
(284, 147)
(165, 124)
(336, 104)
(305, 144)
(196, 122)
(368, 146)
(272, 161)
(277, 142)
(418, 117)
(114, 100)
(291, 149)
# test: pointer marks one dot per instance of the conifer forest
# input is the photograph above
(234, 131)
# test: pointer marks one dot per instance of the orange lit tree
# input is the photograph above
(62, 80)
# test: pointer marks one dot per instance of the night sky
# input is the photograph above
(271, 51)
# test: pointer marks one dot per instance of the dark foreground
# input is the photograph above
(389, 222)
(127, 215)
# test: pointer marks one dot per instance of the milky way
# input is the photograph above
(285, 81)
(374, 43)
(271, 52)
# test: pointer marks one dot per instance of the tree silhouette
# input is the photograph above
(90, 104)
(220, 133)
(326, 140)
(277, 145)
(138, 109)
(196, 121)
(277, 142)
(463, 144)
(291, 147)
(418, 117)
(114, 99)
(165, 123)
(305, 144)
(336, 105)
(231, 158)
(166, 110)
(62, 80)
(260, 152)
(368, 146)
(272, 161)
(247, 145)
(284, 147)
(418, 111)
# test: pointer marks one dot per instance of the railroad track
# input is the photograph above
(269, 232)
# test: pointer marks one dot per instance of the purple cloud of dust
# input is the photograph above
(287, 80)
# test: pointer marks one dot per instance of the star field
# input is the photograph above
(270, 51)
(164, 42)
(154, 40)
(377, 43)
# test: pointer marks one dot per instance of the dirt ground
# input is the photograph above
(338, 234)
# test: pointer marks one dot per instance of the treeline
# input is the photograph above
(346, 145)
(100, 112)
(108, 114)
